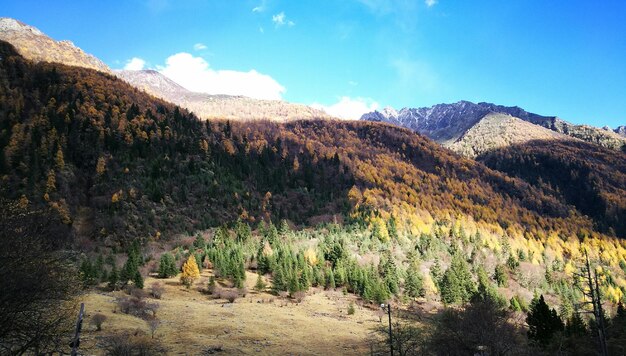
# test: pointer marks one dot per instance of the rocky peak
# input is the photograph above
(34, 45)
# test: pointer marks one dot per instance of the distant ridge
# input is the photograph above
(448, 123)
(36, 46)
(208, 106)
(495, 131)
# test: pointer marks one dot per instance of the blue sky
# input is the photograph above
(549, 57)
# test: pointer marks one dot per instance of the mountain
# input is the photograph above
(35, 45)
(496, 131)
(621, 130)
(118, 164)
(447, 123)
(208, 106)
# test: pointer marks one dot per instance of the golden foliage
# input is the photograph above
(190, 271)
(101, 166)
(310, 256)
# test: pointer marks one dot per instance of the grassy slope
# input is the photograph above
(192, 321)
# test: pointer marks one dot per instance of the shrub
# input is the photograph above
(137, 305)
(298, 296)
(97, 320)
(132, 344)
(230, 295)
(351, 308)
(157, 290)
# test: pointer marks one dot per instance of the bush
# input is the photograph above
(157, 290)
(351, 308)
(230, 295)
(298, 296)
(137, 305)
(97, 321)
(132, 344)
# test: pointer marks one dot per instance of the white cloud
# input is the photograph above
(430, 3)
(280, 20)
(195, 74)
(349, 108)
(261, 7)
(199, 46)
(134, 64)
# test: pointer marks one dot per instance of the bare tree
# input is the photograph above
(39, 282)
(153, 324)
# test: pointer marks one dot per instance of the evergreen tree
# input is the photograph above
(113, 278)
(457, 284)
(138, 280)
(279, 282)
(542, 322)
(167, 266)
(198, 257)
(284, 228)
(330, 282)
(243, 231)
(414, 283)
(199, 242)
(500, 275)
(389, 272)
(392, 228)
(260, 283)
(575, 326)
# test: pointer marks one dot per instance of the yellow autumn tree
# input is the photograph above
(190, 271)
(101, 166)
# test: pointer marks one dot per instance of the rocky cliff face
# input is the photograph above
(36, 46)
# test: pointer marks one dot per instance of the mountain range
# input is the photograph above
(450, 125)
(387, 166)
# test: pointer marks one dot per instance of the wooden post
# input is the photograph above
(390, 334)
(79, 324)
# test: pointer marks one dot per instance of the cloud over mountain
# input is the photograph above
(195, 74)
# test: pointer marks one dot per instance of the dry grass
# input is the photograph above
(259, 323)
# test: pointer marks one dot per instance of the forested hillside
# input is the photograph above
(587, 176)
(121, 164)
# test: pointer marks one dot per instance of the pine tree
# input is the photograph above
(138, 280)
(167, 266)
(279, 282)
(113, 278)
(190, 271)
(198, 257)
(414, 283)
(388, 270)
(500, 275)
(330, 283)
(260, 283)
(199, 242)
(542, 322)
(457, 284)
(575, 325)
(243, 231)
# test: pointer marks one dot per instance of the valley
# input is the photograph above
(195, 223)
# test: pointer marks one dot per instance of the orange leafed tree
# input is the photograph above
(190, 271)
